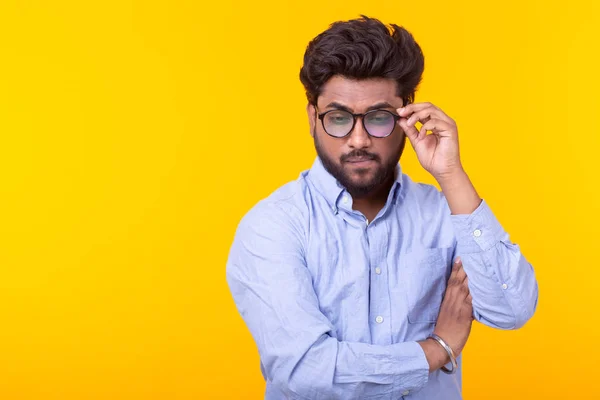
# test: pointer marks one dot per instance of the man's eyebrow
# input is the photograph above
(377, 106)
(383, 104)
(339, 106)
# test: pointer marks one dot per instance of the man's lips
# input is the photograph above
(359, 161)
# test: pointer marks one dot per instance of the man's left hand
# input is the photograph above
(437, 152)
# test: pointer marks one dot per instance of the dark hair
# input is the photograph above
(360, 49)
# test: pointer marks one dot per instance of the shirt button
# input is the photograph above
(477, 233)
(378, 271)
(504, 286)
(379, 319)
(345, 199)
(406, 393)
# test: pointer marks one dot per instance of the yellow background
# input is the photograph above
(135, 134)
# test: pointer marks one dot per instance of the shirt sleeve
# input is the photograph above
(273, 291)
(501, 281)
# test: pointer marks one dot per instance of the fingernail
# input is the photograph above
(457, 261)
(400, 110)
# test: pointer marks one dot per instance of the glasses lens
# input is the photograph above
(380, 123)
(338, 123)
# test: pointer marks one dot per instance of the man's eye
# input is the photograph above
(339, 119)
(380, 118)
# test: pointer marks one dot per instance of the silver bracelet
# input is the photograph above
(450, 354)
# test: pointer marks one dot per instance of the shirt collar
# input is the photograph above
(332, 190)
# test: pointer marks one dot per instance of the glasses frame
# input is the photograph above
(355, 116)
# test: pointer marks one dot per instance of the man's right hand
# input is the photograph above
(454, 320)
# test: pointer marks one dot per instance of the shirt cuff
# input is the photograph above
(415, 368)
(478, 231)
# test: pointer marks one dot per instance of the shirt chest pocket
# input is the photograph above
(425, 273)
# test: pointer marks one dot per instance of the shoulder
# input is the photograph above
(280, 215)
(270, 233)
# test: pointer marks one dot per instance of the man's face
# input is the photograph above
(361, 163)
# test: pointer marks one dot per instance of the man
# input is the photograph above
(349, 278)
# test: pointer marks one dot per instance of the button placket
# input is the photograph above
(379, 310)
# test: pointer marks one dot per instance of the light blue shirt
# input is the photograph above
(336, 303)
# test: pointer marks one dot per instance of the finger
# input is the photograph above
(439, 127)
(464, 290)
(422, 118)
(468, 303)
(469, 306)
(411, 132)
(454, 279)
(456, 267)
(409, 109)
(461, 275)
(423, 112)
(425, 115)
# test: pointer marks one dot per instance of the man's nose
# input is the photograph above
(359, 138)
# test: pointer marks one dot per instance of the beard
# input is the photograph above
(384, 171)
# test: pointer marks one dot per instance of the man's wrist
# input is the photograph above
(436, 356)
(460, 193)
(450, 175)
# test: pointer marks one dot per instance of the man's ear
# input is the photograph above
(311, 113)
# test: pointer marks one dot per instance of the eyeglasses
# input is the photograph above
(377, 123)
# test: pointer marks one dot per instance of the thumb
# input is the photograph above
(411, 132)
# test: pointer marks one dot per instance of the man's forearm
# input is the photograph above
(460, 193)
(435, 354)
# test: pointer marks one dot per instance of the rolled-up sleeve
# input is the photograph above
(501, 280)
(272, 289)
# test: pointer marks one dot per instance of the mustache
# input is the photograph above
(359, 153)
